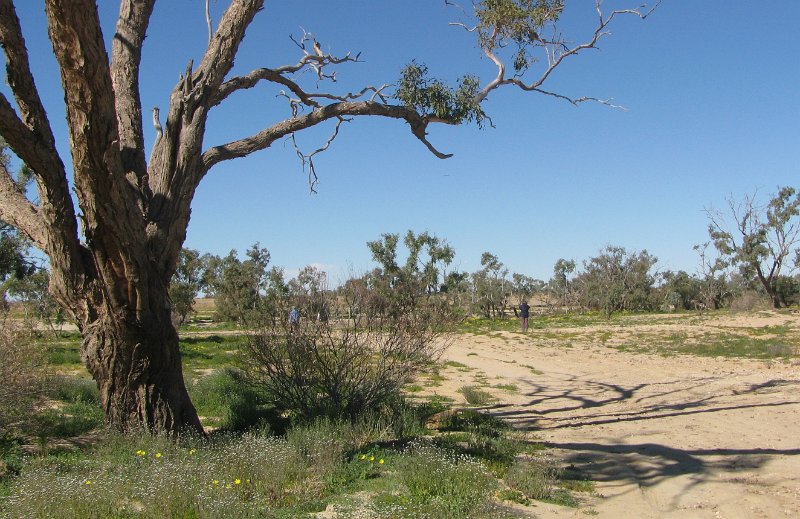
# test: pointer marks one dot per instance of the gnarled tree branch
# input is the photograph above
(266, 137)
(19, 211)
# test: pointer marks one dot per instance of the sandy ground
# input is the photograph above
(662, 437)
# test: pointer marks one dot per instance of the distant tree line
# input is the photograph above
(752, 252)
(614, 280)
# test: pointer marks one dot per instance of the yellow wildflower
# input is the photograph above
(380, 461)
(363, 456)
(88, 481)
(372, 458)
(237, 481)
(158, 454)
(192, 451)
(141, 453)
(215, 482)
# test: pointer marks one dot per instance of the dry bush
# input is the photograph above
(22, 372)
(345, 367)
(748, 302)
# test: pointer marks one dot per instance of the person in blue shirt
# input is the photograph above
(294, 319)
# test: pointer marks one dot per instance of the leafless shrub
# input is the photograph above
(748, 302)
(22, 372)
(780, 350)
(343, 367)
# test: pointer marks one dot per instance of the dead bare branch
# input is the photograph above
(308, 159)
(208, 22)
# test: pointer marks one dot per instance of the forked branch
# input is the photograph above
(308, 159)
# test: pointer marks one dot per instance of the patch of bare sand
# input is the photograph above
(662, 437)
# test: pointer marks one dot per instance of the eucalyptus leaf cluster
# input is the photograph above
(434, 98)
(503, 22)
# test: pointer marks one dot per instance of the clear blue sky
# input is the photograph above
(712, 89)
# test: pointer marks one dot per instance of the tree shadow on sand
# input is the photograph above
(582, 403)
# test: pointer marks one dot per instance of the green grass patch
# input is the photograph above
(476, 396)
(511, 388)
(431, 482)
(515, 496)
(756, 345)
(433, 379)
(533, 369)
(77, 411)
(64, 354)
(226, 400)
(212, 352)
(439, 400)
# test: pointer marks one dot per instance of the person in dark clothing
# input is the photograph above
(524, 312)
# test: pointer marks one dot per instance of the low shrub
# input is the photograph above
(476, 396)
(226, 398)
(748, 302)
(347, 368)
(430, 482)
(22, 372)
(536, 479)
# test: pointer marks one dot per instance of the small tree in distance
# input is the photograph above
(759, 239)
(186, 283)
(560, 283)
(491, 287)
(617, 280)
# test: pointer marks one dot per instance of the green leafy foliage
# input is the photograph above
(616, 280)
(432, 98)
(491, 287)
(242, 288)
(187, 281)
(760, 240)
(515, 20)
(230, 400)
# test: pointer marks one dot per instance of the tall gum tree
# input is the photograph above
(112, 257)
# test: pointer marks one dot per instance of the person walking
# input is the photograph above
(294, 319)
(524, 312)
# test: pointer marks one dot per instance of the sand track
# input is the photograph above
(662, 437)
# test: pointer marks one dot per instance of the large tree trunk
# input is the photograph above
(769, 288)
(137, 367)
